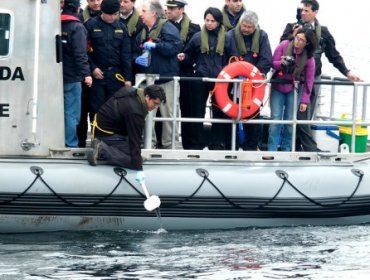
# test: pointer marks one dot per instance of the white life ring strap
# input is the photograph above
(227, 107)
(253, 73)
(257, 102)
(225, 75)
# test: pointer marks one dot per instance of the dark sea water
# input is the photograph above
(264, 253)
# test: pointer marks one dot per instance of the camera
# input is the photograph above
(303, 25)
(307, 26)
(288, 60)
(288, 64)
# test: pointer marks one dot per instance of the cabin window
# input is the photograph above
(4, 34)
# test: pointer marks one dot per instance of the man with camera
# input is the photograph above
(306, 19)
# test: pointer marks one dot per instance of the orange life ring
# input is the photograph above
(232, 70)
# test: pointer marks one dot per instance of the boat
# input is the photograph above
(45, 186)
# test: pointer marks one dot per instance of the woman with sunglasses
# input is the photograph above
(292, 61)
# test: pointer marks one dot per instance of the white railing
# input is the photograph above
(356, 119)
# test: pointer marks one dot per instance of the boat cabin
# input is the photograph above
(31, 84)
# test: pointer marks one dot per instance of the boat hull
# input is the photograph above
(65, 194)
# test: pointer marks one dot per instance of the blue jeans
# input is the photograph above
(281, 109)
(72, 112)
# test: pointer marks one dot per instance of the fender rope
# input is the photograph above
(38, 171)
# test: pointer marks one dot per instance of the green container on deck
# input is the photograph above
(360, 140)
(345, 132)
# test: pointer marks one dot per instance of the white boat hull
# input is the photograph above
(65, 194)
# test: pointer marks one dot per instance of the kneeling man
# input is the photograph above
(118, 126)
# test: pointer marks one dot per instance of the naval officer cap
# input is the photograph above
(110, 6)
(176, 3)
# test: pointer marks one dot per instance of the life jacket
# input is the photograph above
(155, 32)
(204, 45)
(185, 24)
(132, 22)
(255, 48)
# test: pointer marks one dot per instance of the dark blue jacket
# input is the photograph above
(262, 60)
(206, 64)
(164, 57)
(110, 46)
(75, 60)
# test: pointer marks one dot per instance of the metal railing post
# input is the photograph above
(174, 120)
(295, 110)
(148, 131)
(354, 118)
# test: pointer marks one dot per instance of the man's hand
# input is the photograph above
(302, 107)
(353, 77)
(98, 74)
(88, 81)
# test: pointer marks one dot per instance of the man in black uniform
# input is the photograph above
(109, 54)
(176, 15)
(119, 124)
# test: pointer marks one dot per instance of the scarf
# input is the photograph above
(318, 31)
(204, 48)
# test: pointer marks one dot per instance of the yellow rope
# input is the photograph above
(94, 125)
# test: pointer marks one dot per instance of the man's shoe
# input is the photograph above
(93, 153)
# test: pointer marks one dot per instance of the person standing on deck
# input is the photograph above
(75, 68)
(251, 44)
(130, 17)
(207, 50)
(325, 44)
(162, 39)
(191, 137)
(109, 54)
(232, 12)
(91, 10)
(293, 61)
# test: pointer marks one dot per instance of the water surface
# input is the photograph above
(269, 253)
